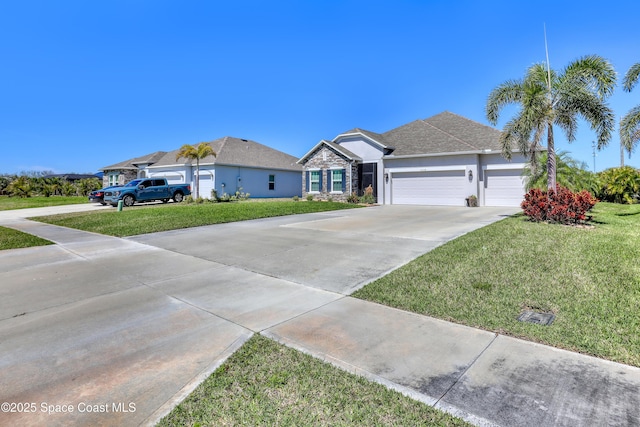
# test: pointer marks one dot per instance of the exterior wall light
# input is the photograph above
(386, 177)
(470, 175)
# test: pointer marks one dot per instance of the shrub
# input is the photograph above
(241, 195)
(353, 198)
(620, 185)
(20, 187)
(309, 198)
(329, 199)
(188, 200)
(561, 206)
(368, 197)
(296, 198)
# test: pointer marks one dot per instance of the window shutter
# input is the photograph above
(306, 181)
(344, 180)
(320, 181)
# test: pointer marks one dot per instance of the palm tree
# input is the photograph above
(549, 99)
(196, 152)
(630, 123)
(570, 173)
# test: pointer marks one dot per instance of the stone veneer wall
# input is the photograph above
(124, 176)
(325, 158)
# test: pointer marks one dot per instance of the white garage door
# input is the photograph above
(205, 185)
(173, 179)
(503, 187)
(428, 188)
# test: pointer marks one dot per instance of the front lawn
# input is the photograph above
(588, 277)
(153, 218)
(266, 383)
(9, 203)
(13, 239)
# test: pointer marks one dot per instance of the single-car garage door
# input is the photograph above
(428, 188)
(503, 187)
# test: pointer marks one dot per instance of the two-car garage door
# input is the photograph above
(429, 188)
(502, 187)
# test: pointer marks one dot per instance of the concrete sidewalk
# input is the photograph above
(82, 324)
(485, 378)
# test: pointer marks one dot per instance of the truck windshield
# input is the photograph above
(134, 183)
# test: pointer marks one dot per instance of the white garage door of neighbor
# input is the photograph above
(428, 188)
(205, 186)
(174, 179)
(503, 187)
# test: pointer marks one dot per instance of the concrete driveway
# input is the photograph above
(337, 251)
(105, 331)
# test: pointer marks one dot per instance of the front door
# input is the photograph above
(368, 177)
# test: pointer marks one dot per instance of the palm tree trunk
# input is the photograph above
(551, 160)
(197, 176)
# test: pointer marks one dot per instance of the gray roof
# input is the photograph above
(443, 133)
(132, 163)
(230, 151)
(339, 149)
(371, 135)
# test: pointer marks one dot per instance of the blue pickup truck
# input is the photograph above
(146, 190)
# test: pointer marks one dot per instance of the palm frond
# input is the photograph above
(631, 77)
(630, 129)
(593, 72)
(509, 92)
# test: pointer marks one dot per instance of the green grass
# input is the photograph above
(588, 277)
(13, 239)
(9, 203)
(265, 383)
(154, 218)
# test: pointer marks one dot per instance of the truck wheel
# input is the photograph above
(178, 197)
(128, 200)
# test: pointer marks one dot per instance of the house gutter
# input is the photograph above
(227, 164)
(450, 153)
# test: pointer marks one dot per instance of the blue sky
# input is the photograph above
(85, 84)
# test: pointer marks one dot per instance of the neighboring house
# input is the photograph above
(441, 160)
(240, 165)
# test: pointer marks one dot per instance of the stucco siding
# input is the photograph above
(367, 151)
(256, 181)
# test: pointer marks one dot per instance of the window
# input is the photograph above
(272, 182)
(314, 181)
(337, 180)
(113, 179)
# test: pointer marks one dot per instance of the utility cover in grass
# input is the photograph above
(544, 319)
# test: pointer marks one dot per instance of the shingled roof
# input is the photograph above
(229, 150)
(132, 163)
(443, 133)
(335, 147)
(379, 138)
